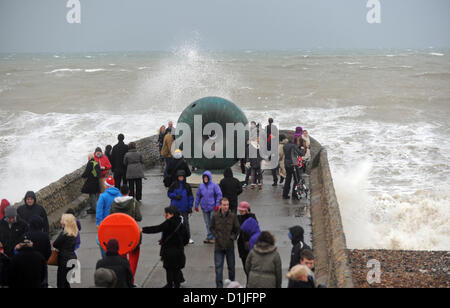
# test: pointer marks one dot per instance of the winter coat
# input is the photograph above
(251, 228)
(161, 140)
(281, 157)
(121, 268)
(263, 266)
(65, 245)
(117, 156)
(41, 240)
(298, 134)
(208, 195)
(184, 190)
(127, 205)
(27, 269)
(243, 240)
(104, 162)
(3, 206)
(92, 173)
(26, 212)
(172, 242)
(297, 245)
(224, 228)
(10, 237)
(296, 284)
(133, 161)
(175, 165)
(291, 152)
(167, 146)
(231, 188)
(104, 203)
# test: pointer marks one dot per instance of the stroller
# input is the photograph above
(300, 190)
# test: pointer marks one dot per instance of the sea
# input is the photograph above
(382, 114)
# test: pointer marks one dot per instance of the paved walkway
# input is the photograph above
(273, 213)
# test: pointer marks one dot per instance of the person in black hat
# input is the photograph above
(118, 264)
(118, 167)
(180, 194)
(31, 208)
(12, 230)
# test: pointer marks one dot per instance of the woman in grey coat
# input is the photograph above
(134, 161)
(263, 263)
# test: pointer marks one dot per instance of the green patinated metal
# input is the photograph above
(213, 110)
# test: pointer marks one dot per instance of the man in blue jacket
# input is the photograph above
(180, 194)
(208, 196)
(104, 204)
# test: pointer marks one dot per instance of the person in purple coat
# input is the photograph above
(208, 197)
(251, 228)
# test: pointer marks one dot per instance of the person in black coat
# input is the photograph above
(12, 230)
(118, 168)
(177, 163)
(291, 153)
(298, 245)
(243, 239)
(27, 267)
(32, 208)
(41, 242)
(231, 189)
(91, 173)
(65, 244)
(174, 238)
(118, 264)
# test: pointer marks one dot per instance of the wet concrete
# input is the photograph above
(273, 213)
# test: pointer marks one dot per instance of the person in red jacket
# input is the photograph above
(3, 206)
(105, 166)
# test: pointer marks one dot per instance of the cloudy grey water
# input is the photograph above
(382, 114)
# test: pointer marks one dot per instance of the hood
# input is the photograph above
(113, 192)
(297, 234)
(208, 174)
(228, 173)
(3, 206)
(123, 203)
(264, 248)
(250, 226)
(30, 194)
(298, 130)
(36, 223)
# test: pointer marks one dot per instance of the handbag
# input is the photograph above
(53, 260)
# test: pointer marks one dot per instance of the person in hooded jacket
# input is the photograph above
(32, 208)
(41, 243)
(128, 205)
(174, 238)
(243, 239)
(231, 188)
(3, 205)
(117, 155)
(118, 264)
(298, 245)
(291, 152)
(281, 156)
(177, 163)
(105, 166)
(180, 194)
(264, 263)
(92, 174)
(104, 204)
(134, 162)
(251, 228)
(208, 196)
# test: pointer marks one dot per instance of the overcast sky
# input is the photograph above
(139, 25)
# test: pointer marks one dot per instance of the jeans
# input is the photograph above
(247, 175)
(219, 259)
(207, 217)
(93, 201)
(274, 175)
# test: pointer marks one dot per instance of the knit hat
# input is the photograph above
(10, 212)
(243, 206)
(109, 182)
(112, 246)
(105, 278)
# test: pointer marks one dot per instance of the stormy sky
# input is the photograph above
(141, 25)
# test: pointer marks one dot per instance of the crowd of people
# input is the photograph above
(113, 181)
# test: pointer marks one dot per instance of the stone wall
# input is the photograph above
(65, 193)
(330, 248)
